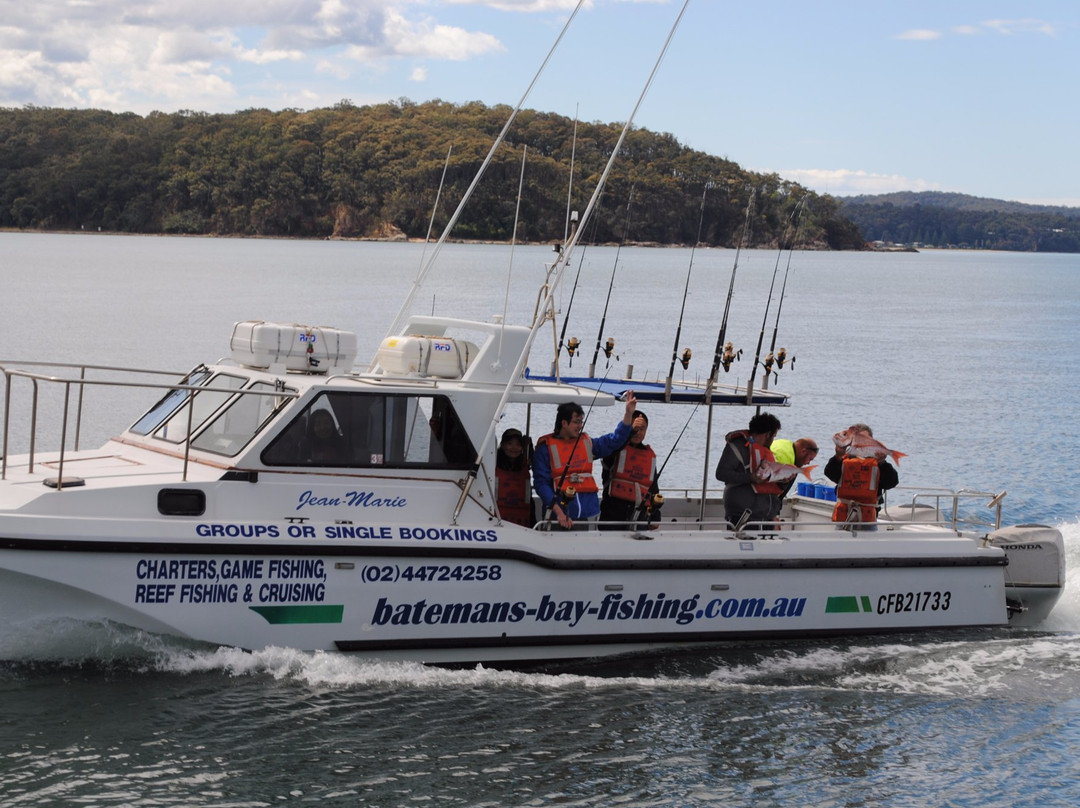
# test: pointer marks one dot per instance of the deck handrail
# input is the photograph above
(81, 381)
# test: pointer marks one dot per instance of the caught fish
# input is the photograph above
(771, 471)
(859, 444)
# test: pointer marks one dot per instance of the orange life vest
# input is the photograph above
(858, 488)
(758, 453)
(575, 459)
(632, 473)
(513, 495)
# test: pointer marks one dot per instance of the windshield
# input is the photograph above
(169, 402)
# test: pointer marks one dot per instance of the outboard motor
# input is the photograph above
(1035, 576)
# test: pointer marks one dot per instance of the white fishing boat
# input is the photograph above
(214, 518)
(221, 516)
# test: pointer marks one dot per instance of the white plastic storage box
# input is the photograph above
(441, 357)
(289, 346)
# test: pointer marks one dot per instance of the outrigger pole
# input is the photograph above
(560, 267)
(403, 312)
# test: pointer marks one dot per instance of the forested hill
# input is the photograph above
(374, 171)
(939, 219)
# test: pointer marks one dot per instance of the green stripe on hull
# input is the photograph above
(286, 615)
(845, 604)
(849, 604)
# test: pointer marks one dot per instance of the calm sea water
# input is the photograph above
(965, 361)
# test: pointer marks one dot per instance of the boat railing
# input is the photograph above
(956, 508)
(932, 507)
(79, 379)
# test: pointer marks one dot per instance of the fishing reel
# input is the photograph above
(572, 345)
(684, 360)
(566, 496)
(780, 359)
(609, 347)
(729, 356)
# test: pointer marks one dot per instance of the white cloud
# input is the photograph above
(418, 74)
(163, 54)
(1025, 26)
(1028, 25)
(920, 34)
(426, 39)
(527, 6)
(849, 182)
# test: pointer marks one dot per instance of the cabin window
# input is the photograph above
(203, 404)
(170, 402)
(361, 430)
(232, 428)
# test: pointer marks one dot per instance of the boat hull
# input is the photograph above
(501, 603)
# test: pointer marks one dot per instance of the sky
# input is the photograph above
(843, 96)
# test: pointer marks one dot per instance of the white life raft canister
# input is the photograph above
(440, 357)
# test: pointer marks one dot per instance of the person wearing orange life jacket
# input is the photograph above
(747, 496)
(860, 482)
(630, 481)
(513, 489)
(563, 460)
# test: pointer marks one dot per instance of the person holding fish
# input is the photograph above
(796, 454)
(750, 472)
(862, 473)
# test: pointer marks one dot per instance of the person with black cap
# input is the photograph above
(631, 492)
(513, 480)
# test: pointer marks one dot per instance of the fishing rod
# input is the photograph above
(611, 285)
(760, 336)
(718, 353)
(573, 292)
(686, 289)
(657, 499)
(693, 412)
(796, 216)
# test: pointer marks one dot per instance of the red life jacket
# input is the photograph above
(575, 454)
(632, 473)
(514, 496)
(858, 488)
